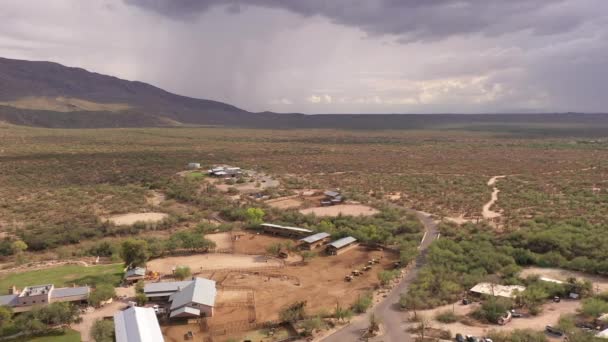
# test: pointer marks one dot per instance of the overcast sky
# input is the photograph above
(333, 56)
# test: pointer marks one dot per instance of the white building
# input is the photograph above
(137, 324)
(191, 298)
(497, 290)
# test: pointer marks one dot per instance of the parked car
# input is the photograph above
(516, 314)
(459, 338)
(556, 299)
(554, 331)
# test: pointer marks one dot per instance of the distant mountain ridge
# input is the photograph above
(48, 94)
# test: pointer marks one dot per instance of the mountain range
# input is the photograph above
(47, 94)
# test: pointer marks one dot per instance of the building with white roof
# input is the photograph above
(191, 298)
(137, 324)
(276, 229)
(496, 290)
(314, 241)
(341, 245)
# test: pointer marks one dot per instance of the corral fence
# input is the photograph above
(238, 326)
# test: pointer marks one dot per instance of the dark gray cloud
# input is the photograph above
(413, 20)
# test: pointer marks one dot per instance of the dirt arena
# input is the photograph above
(599, 283)
(251, 243)
(341, 209)
(320, 282)
(211, 261)
(285, 203)
(222, 240)
(130, 219)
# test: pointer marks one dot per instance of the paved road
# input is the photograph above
(388, 310)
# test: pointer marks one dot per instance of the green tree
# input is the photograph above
(182, 272)
(386, 277)
(103, 331)
(6, 317)
(254, 216)
(139, 286)
(594, 307)
(101, 293)
(18, 247)
(493, 309)
(134, 252)
(141, 299)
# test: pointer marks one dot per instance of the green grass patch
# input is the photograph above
(64, 276)
(67, 335)
(196, 175)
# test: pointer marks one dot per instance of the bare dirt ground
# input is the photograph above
(284, 203)
(222, 240)
(599, 283)
(155, 198)
(250, 243)
(92, 315)
(341, 209)
(210, 261)
(321, 282)
(129, 219)
(549, 316)
(458, 220)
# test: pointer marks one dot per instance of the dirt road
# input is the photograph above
(486, 212)
(393, 319)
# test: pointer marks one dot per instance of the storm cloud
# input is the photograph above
(339, 56)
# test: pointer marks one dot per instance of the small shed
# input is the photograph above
(194, 166)
(314, 241)
(134, 275)
(342, 245)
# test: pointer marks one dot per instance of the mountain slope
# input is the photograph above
(28, 89)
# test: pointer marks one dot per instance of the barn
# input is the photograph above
(342, 245)
(314, 241)
(285, 231)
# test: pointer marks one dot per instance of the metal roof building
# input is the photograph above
(497, 290)
(188, 298)
(314, 238)
(343, 242)
(136, 272)
(295, 229)
(137, 324)
(63, 292)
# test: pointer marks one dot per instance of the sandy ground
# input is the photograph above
(549, 316)
(222, 240)
(92, 315)
(344, 209)
(210, 261)
(284, 203)
(129, 219)
(249, 243)
(458, 220)
(599, 283)
(321, 282)
(155, 198)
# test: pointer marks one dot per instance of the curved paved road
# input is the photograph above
(388, 310)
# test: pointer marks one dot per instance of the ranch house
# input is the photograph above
(21, 301)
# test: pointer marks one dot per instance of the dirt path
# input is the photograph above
(600, 283)
(486, 212)
(92, 315)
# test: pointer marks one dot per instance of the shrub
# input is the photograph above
(182, 272)
(363, 303)
(103, 331)
(446, 317)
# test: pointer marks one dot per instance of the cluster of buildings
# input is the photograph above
(26, 299)
(332, 197)
(225, 171)
(309, 240)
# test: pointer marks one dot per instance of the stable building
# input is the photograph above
(342, 245)
(137, 324)
(314, 241)
(188, 299)
(285, 231)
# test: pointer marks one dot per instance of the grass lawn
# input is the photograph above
(68, 336)
(196, 175)
(63, 276)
